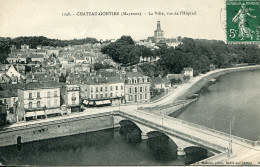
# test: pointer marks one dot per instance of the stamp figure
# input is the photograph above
(243, 21)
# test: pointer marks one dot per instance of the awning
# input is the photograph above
(85, 102)
(30, 114)
(106, 102)
(90, 103)
(40, 113)
(99, 102)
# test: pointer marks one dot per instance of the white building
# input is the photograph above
(39, 100)
(188, 71)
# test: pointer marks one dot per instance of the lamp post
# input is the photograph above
(231, 117)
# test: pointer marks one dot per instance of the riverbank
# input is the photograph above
(196, 84)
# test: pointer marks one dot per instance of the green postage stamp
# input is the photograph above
(243, 21)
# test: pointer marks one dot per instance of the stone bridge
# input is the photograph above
(186, 134)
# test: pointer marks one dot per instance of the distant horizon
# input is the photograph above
(47, 18)
(107, 39)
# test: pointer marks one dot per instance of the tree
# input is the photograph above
(62, 78)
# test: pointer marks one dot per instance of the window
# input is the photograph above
(111, 87)
(130, 98)
(91, 96)
(101, 89)
(38, 104)
(116, 87)
(138, 80)
(91, 89)
(55, 102)
(111, 94)
(38, 94)
(143, 79)
(130, 90)
(135, 89)
(135, 80)
(106, 95)
(105, 88)
(146, 88)
(96, 96)
(48, 94)
(141, 89)
(96, 89)
(101, 95)
(5, 101)
(30, 95)
(55, 93)
(122, 87)
(141, 96)
(30, 105)
(73, 102)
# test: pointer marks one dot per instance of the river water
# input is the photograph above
(106, 147)
(236, 97)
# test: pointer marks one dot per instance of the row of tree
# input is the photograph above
(33, 42)
(199, 54)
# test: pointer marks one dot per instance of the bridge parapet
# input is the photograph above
(204, 129)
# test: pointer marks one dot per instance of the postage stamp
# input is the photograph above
(243, 21)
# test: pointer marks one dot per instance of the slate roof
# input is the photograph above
(41, 85)
(134, 74)
(8, 93)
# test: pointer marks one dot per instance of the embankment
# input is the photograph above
(212, 74)
(65, 126)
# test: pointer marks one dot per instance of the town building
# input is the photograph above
(161, 83)
(99, 91)
(188, 72)
(3, 114)
(71, 97)
(137, 87)
(39, 100)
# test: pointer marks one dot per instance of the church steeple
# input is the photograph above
(158, 33)
(158, 26)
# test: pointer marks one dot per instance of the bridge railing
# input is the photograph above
(162, 107)
(175, 132)
(202, 128)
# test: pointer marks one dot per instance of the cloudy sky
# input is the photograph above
(44, 17)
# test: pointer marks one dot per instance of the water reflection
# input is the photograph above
(235, 94)
(105, 147)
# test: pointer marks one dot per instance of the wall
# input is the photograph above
(203, 81)
(52, 129)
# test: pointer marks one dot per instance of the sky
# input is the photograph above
(44, 18)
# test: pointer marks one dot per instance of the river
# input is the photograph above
(106, 147)
(235, 96)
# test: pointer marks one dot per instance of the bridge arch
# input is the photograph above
(130, 131)
(162, 145)
(194, 154)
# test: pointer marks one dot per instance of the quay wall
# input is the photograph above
(204, 80)
(173, 109)
(57, 128)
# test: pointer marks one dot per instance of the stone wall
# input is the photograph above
(58, 128)
(203, 81)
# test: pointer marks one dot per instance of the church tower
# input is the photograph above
(158, 33)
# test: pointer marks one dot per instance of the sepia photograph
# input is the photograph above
(129, 82)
